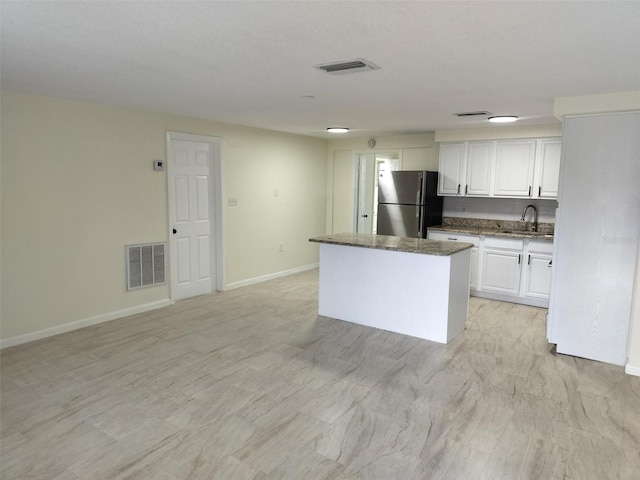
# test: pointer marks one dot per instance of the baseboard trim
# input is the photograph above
(271, 276)
(532, 302)
(86, 322)
(632, 369)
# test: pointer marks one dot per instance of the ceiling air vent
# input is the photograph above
(351, 66)
(472, 114)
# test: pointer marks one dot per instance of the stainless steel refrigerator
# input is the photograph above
(408, 203)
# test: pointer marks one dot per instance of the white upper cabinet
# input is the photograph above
(515, 161)
(547, 168)
(465, 169)
(522, 168)
(451, 168)
(479, 169)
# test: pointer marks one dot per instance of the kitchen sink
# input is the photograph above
(532, 234)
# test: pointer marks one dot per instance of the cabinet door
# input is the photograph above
(451, 168)
(479, 169)
(548, 169)
(538, 276)
(501, 271)
(456, 237)
(514, 168)
(473, 269)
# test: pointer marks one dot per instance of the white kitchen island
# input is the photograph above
(412, 286)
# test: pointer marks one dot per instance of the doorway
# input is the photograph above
(194, 166)
(369, 166)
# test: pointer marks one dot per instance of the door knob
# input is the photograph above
(175, 231)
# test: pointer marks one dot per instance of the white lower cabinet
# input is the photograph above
(457, 237)
(537, 280)
(501, 265)
(510, 269)
(473, 269)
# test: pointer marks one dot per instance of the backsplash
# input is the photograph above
(493, 224)
(498, 208)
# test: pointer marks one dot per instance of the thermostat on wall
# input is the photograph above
(158, 165)
(371, 143)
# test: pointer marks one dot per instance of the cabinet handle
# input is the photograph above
(466, 189)
(458, 189)
(529, 190)
(529, 260)
(452, 239)
(539, 190)
(519, 258)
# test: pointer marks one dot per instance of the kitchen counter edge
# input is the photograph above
(397, 244)
(493, 232)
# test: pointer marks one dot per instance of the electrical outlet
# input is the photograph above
(232, 202)
(463, 209)
(280, 247)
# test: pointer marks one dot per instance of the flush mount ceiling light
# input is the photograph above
(503, 119)
(337, 129)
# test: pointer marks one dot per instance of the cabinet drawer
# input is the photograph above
(454, 237)
(540, 246)
(504, 243)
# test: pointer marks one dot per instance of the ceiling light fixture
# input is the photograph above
(503, 119)
(337, 129)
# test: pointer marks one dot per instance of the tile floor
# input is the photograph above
(252, 384)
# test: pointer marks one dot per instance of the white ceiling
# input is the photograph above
(251, 63)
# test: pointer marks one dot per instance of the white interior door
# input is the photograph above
(191, 249)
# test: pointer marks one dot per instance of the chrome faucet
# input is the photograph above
(535, 216)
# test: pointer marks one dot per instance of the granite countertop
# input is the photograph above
(397, 244)
(496, 228)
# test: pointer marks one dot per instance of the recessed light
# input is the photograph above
(337, 129)
(503, 119)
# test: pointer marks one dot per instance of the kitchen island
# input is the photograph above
(412, 286)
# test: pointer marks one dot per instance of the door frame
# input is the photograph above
(215, 203)
(359, 188)
(356, 175)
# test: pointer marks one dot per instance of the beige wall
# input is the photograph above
(417, 152)
(78, 185)
(607, 102)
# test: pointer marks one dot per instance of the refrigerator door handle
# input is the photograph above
(420, 220)
(419, 190)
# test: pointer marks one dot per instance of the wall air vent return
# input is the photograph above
(472, 114)
(350, 66)
(145, 265)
